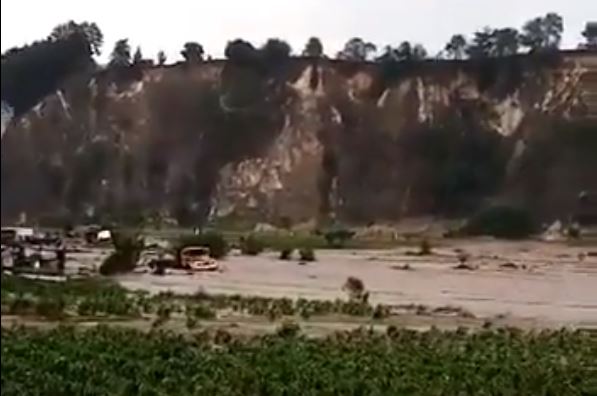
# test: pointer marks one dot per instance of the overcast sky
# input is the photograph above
(167, 24)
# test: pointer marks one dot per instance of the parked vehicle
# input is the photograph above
(197, 258)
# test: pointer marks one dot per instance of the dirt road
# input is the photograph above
(547, 284)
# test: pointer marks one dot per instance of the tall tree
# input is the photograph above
(357, 49)
(313, 48)
(275, 50)
(543, 33)
(456, 47)
(241, 51)
(482, 44)
(161, 58)
(138, 56)
(405, 52)
(121, 54)
(418, 52)
(90, 30)
(590, 35)
(192, 52)
(505, 42)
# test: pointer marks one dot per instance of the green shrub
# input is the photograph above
(288, 329)
(218, 247)
(406, 362)
(338, 238)
(21, 305)
(50, 308)
(286, 253)
(201, 311)
(307, 254)
(501, 222)
(355, 288)
(251, 245)
(191, 322)
(381, 312)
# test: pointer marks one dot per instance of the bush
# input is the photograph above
(21, 305)
(125, 256)
(501, 222)
(50, 308)
(338, 238)
(164, 312)
(191, 322)
(424, 248)
(201, 311)
(251, 245)
(307, 254)
(286, 253)
(380, 312)
(288, 330)
(218, 247)
(355, 288)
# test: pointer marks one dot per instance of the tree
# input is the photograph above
(543, 33)
(418, 52)
(275, 50)
(161, 58)
(121, 54)
(590, 34)
(494, 43)
(91, 31)
(313, 48)
(456, 47)
(482, 44)
(505, 42)
(192, 52)
(405, 52)
(138, 56)
(241, 51)
(357, 50)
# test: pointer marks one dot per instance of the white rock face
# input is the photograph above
(7, 114)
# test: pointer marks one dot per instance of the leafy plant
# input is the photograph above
(338, 238)
(307, 254)
(288, 329)
(358, 362)
(425, 247)
(50, 308)
(286, 253)
(501, 222)
(201, 311)
(251, 245)
(355, 288)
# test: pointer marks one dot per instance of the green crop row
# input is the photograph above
(93, 297)
(107, 361)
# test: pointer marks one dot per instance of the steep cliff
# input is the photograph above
(309, 138)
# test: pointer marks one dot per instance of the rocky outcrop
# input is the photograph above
(307, 139)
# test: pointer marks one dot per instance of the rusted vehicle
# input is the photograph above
(197, 258)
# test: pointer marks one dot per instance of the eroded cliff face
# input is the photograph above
(308, 139)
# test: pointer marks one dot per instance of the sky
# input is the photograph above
(167, 25)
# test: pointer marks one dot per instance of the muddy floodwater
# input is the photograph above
(533, 283)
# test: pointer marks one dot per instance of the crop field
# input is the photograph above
(108, 361)
(205, 335)
(100, 300)
(70, 358)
